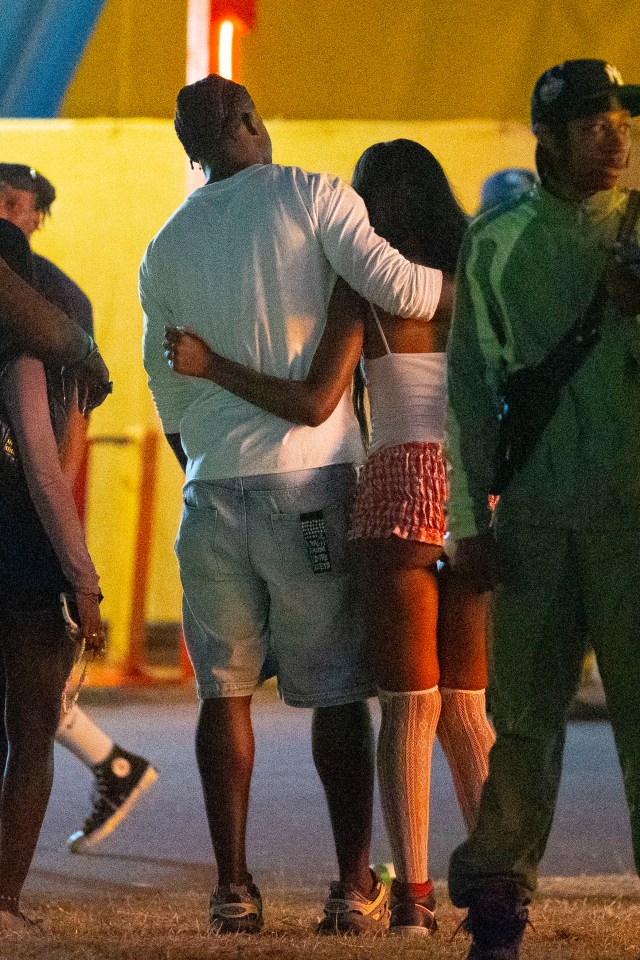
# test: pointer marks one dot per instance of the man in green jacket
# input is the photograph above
(564, 545)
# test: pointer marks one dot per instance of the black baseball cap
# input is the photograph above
(578, 88)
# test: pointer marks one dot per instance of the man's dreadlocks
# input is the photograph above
(207, 112)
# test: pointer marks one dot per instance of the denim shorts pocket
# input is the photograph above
(317, 548)
(195, 543)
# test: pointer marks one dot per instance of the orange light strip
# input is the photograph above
(225, 50)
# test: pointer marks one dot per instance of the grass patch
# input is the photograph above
(574, 919)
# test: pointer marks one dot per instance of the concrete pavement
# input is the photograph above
(165, 844)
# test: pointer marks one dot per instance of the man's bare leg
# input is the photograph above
(225, 751)
(344, 755)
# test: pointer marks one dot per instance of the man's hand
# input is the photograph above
(476, 562)
(186, 352)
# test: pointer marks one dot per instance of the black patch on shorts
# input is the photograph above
(315, 537)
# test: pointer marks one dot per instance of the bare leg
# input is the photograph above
(37, 660)
(462, 634)
(399, 591)
(225, 751)
(343, 752)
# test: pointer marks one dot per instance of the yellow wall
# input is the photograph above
(467, 151)
(322, 59)
(117, 182)
(317, 67)
(135, 62)
(424, 59)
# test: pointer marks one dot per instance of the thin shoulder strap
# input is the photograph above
(381, 331)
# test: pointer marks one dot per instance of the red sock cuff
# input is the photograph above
(414, 890)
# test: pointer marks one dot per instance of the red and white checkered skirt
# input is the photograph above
(402, 492)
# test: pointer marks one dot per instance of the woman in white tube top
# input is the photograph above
(427, 631)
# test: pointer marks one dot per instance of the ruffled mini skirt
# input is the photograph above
(401, 492)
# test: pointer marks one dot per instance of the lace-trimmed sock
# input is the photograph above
(466, 737)
(405, 745)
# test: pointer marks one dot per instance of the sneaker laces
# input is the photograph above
(345, 897)
(103, 806)
(232, 892)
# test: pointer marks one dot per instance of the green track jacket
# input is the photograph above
(526, 272)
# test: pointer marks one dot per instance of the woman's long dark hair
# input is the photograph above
(411, 204)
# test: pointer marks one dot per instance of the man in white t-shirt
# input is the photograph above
(249, 262)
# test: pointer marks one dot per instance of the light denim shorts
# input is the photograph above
(268, 588)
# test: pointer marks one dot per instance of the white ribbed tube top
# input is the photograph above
(407, 397)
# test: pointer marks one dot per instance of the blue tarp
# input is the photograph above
(41, 43)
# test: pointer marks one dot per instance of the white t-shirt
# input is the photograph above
(249, 263)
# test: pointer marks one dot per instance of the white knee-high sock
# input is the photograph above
(466, 737)
(79, 734)
(405, 745)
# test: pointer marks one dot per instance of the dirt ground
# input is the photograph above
(574, 919)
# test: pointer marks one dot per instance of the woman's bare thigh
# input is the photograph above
(399, 594)
(462, 629)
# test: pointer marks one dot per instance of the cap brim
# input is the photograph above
(629, 97)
